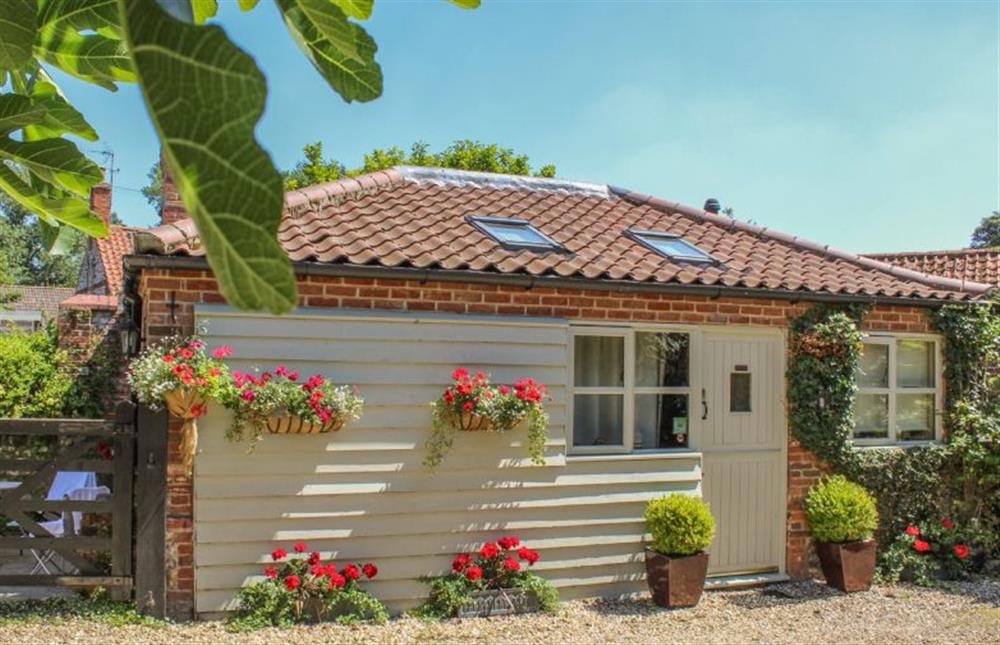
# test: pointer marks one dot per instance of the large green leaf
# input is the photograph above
(17, 111)
(57, 161)
(331, 25)
(247, 5)
(82, 38)
(360, 9)
(17, 33)
(465, 4)
(59, 116)
(354, 79)
(64, 208)
(205, 96)
(204, 9)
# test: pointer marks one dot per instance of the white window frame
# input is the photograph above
(629, 389)
(893, 389)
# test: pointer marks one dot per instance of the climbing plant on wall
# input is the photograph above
(916, 482)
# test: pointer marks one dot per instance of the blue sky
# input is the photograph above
(870, 126)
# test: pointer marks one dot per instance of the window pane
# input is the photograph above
(661, 421)
(914, 416)
(874, 368)
(739, 392)
(915, 363)
(871, 416)
(597, 420)
(599, 361)
(661, 360)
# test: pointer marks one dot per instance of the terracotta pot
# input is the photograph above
(291, 424)
(186, 404)
(676, 581)
(848, 566)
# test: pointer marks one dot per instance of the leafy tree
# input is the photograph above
(987, 234)
(313, 169)
(204, 96)
(153, 191)
(26, 257)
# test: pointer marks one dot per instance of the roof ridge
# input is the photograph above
(340, 189)
(900, 254)
(456, 177)
(825, 249)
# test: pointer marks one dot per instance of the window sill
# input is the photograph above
(899, 444)
(680, 453)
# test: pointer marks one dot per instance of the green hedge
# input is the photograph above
(36, 377)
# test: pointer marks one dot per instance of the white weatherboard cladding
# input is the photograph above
(362, 493)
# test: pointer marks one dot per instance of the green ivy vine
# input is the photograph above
(961, 476)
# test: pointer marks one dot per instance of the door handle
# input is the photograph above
(704, 405)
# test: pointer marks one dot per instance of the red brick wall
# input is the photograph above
(169, 298)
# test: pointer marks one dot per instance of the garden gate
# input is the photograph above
(79, 534)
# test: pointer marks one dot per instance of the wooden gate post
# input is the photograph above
(151, 512)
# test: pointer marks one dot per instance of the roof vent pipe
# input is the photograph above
(712, 205)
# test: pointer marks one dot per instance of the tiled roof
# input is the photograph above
(416, 218)
(113, 250)
(975, 265)
(43, 299)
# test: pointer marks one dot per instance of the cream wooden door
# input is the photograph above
(742, 437)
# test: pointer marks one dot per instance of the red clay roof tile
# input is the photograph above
(974, 265)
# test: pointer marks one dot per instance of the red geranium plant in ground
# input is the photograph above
(472, 402)
(926, 552)
(301, 588)
(497, 566)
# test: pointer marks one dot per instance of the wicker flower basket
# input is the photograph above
(188, 405)
(292, 424)
(470, 422)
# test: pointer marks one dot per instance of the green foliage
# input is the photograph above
(464, 154)
(204, 96)
(28, 257)
(113, 614)
(987, 234)
(936, 550)
(825, 348)
(840, 511)
(548, 595)
(35, 375)
(261, 605)
(451, 592)
(680, 524)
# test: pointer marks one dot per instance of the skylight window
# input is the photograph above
(671, 246)
(513, 233)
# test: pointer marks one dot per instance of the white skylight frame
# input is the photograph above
(489, 226)
(649, 238)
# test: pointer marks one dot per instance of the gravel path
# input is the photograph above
(788, 613)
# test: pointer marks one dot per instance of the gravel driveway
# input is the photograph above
(788, 613)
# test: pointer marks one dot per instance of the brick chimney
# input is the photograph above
(100, 201)
(172, 209)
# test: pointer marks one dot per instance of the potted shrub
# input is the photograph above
(472, 404)
(178, 373)
(301, 589)
(842, 518)
(494, 581)
(676, 563)
(279, 403)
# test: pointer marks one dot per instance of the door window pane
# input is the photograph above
(661, 360)
(599, 361)
(661, 421)
(739, 392)
(914, 416)
(597, 420)
(914, 364)
(871, 416)
(874, 368)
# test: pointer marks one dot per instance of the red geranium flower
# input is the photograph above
(317, 570)
(314, 557)
(330, 570)
(912, 530)
(460, 562)
(508, 542)
(370, 570)
(278, 554)
(337, 581)
(948, 524)
(474, 573)
(510, 564)
(168, 359)
(489, 550)
(920, 546)
(961, 551)
(529, 556)
(271, 573)
(351, 572)
(468, 406)
(292, 582)
(300, 547)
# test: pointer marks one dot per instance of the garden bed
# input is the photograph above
(806, 612)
